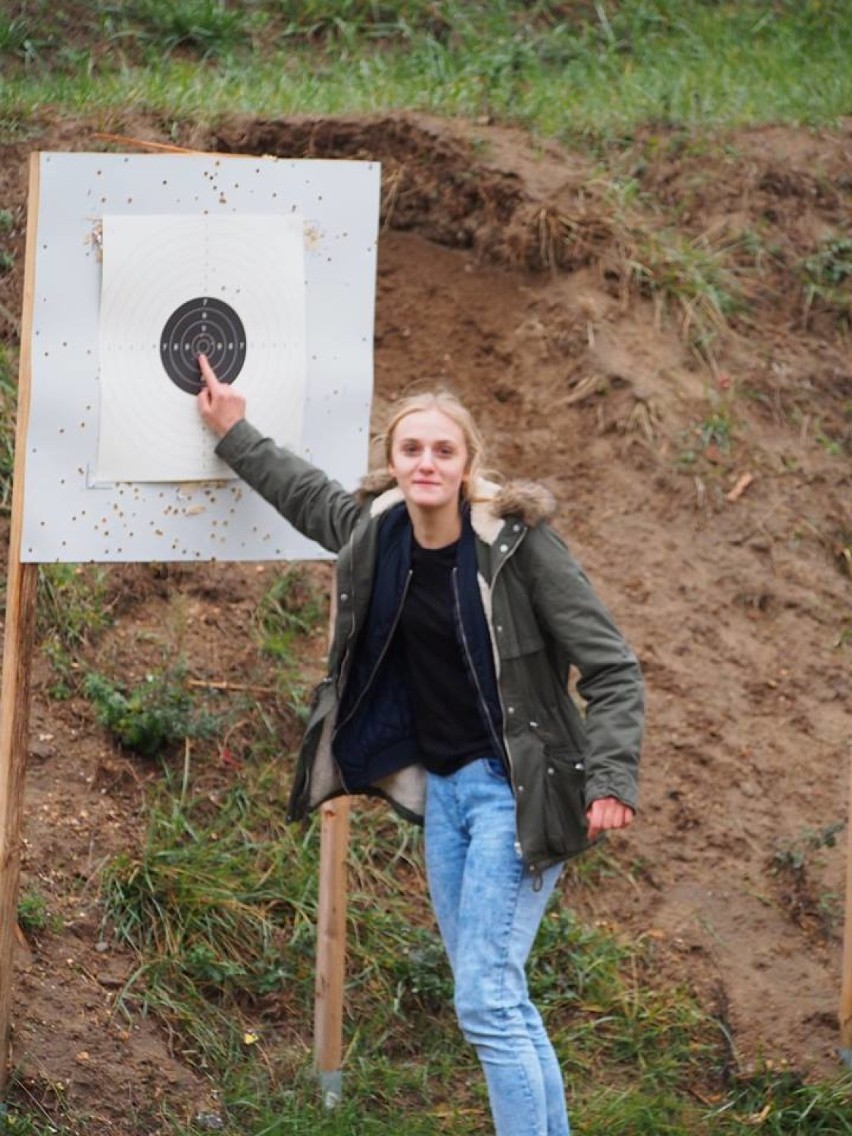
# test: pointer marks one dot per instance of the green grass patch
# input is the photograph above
(560, 70)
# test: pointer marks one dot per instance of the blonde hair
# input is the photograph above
(457, 412)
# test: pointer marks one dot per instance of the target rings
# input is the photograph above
(202, 327)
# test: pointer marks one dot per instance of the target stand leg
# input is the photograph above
(331, 949)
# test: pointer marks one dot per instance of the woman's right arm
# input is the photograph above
(318, 507)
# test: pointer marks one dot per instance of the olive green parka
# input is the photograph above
(545, 622)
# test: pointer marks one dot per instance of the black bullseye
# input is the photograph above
(202, 327)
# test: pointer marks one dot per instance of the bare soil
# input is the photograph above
(709, 500)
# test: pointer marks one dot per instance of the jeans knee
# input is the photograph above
(480, 1019)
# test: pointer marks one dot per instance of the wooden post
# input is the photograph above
(17, 657)
(846, 988)
(331, 949)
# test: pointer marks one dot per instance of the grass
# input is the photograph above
(560, 70)
(221, 905)
(292, 607)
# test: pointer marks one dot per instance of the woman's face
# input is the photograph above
(429, 459)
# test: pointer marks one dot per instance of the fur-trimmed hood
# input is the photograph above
(491, 504)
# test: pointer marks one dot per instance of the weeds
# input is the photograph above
(782, 1104)
(794, 854)
(8, 404)
(72, 604)
(152, 717)
(828, 278)
(72, 609)
(791, 867)
(16, 1123)
(33, 914)
(292, 607)
(692, 276)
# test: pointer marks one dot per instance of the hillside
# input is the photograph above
(662, 337)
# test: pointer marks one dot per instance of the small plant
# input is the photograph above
(33, 915)
(716, 430)
(790, 866)
(828, 277)
(152, 717)
(793, 854)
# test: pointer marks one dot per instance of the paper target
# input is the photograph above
(232, 287)
(203, 326)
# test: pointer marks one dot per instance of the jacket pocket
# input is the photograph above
(564, 802)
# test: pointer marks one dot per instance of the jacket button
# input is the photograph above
(504, 548)
(510, 709)
(344, 596)
(520, 788)
(499, 628)
(516, 528)
(550, 770)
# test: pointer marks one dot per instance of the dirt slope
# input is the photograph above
(708, 497)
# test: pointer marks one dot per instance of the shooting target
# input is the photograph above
(231, 288)
(119, 465)
(204, 326)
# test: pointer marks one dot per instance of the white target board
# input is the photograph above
(143, 261)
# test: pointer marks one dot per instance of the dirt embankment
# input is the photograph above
(702, 470)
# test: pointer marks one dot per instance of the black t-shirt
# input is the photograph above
(450, 726)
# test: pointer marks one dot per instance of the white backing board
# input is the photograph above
(70, 514)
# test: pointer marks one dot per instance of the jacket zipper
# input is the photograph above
(472, 669)
(534, 869)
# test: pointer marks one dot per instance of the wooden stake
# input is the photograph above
(845, 1014)
(17, 657)
(331, 948)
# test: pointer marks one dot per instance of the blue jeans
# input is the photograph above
(489, 911)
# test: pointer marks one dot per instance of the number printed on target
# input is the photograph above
(204, 326)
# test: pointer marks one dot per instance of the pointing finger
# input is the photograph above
(207, 372)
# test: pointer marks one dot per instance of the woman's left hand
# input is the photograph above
(607, 813)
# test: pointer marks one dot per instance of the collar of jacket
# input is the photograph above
(491, 504)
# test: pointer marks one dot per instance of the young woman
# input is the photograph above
(459, 616)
